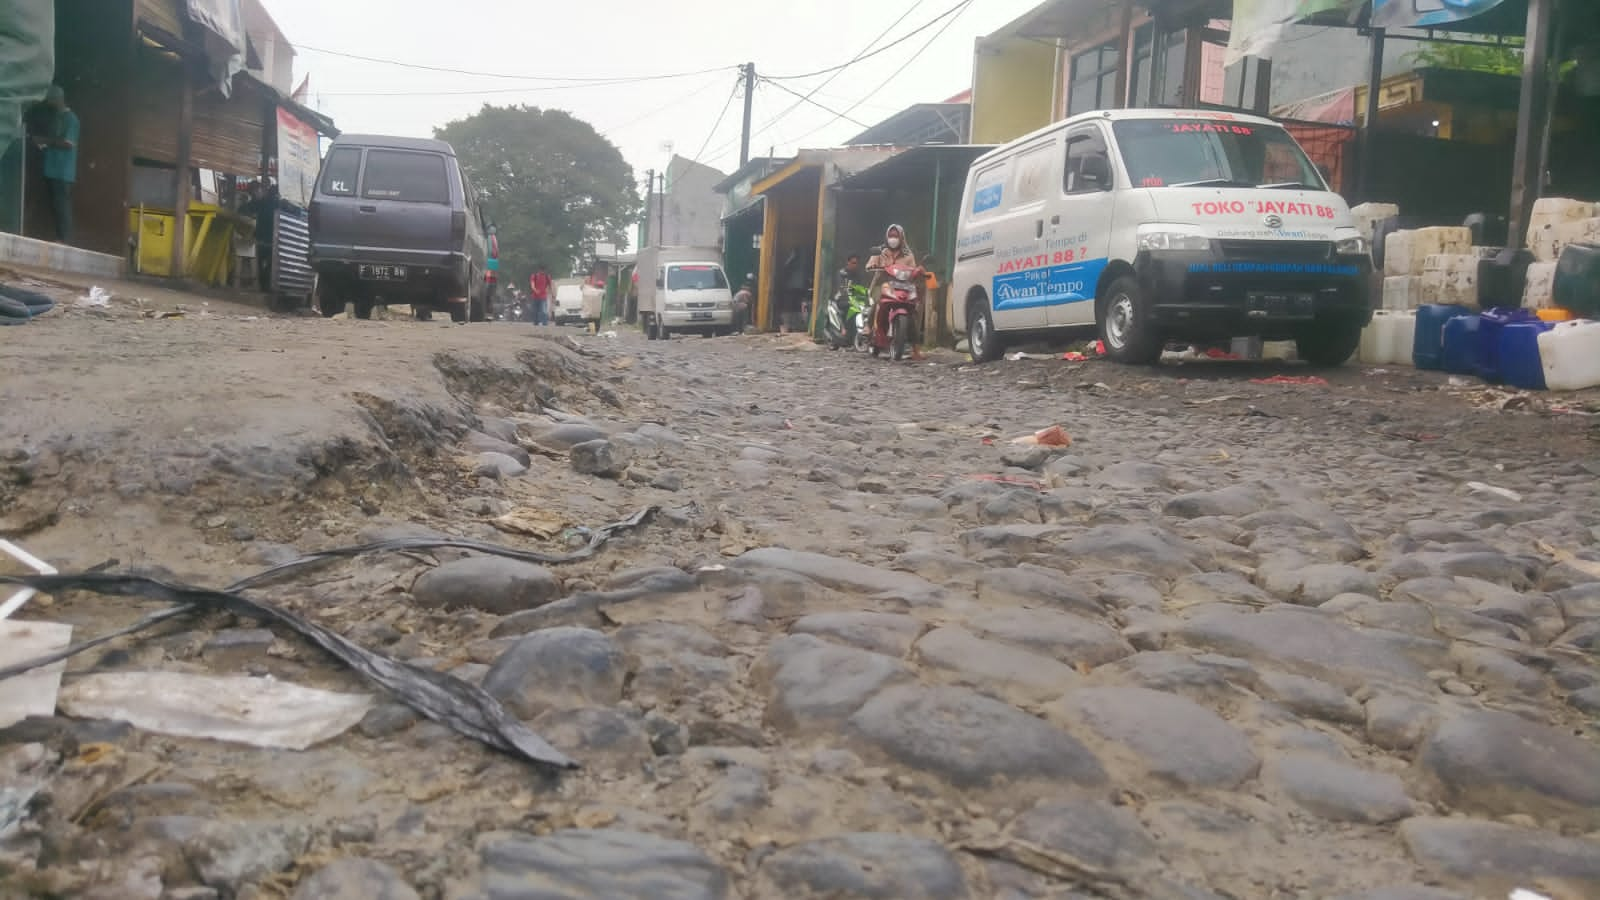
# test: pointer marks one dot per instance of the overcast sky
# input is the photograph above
(631, 38)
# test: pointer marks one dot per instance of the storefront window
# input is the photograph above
(1093, 81)
(1170, 92)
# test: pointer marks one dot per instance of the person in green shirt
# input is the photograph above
(60, 148)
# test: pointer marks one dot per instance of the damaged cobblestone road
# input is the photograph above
(1241, 639)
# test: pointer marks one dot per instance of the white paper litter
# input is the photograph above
(31, 693)
(1478, 487)
(260, 712)
(97, 297)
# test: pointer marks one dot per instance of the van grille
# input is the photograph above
(1297, 251)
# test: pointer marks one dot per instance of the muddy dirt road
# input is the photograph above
(1243, 639)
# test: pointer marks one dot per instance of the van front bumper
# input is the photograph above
(698, 318)
(1239, 292)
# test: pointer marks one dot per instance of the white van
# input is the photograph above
(567, 307)
(683, 289)
(1155, 226)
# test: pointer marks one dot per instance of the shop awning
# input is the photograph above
(1258, 24)
(915, 168)
(924, 123)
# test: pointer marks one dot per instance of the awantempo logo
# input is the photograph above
(1273, 221)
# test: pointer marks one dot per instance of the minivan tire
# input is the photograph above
(983, 343)
(1125, 327)
(459, 312)
(364, 307)
(1327, 345)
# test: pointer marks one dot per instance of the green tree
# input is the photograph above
(1494, 59)
(553, 185)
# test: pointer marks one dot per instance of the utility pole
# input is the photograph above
(661, 212)
(749, 105)
(649, 192)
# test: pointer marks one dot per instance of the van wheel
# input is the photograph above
(460, 311)
(983, 343)
(1329, 344)
(663, 333)
(364, 307)
(649, 327)
(475, 311)
(1124, 326)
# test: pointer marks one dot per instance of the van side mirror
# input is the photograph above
(1095, 173)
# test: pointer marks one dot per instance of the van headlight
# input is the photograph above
(1351, 243)
(724, 304)
(1172, 237)
(674, 306)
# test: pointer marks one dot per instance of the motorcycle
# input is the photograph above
(847, 316)
(897, 301)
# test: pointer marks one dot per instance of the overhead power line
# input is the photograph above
(577, 79)
(720, 116)
(884, 49)
(807, 99)
(470, 92)
(892, 76)
(657, 110)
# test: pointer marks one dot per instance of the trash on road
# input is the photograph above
(539, 523)
(464, 708)
(1054, 436)
(1478, 487)
(33, 693)
(1292, 379)
(1587, 567)
(1018, 356)
(30, 562)
(98, 297)
(261, 712)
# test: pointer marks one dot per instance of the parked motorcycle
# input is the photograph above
(897, 301)
(847, 316)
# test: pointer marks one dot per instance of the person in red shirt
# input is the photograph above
(539, 296)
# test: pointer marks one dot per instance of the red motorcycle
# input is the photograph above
(897, 300)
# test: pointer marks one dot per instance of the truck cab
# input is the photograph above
(683, 289)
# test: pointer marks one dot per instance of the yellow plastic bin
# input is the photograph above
(208, 242)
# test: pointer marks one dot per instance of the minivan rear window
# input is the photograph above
(696, 278)
(405, 176)
(340, 171)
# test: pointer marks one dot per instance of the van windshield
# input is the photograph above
(696, 278)
(405, 176)
(1207, 153)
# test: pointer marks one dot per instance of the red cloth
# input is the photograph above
(539, 286)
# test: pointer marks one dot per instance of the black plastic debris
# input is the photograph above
(456, 704)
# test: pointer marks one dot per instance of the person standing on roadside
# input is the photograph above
(539, 296)
(60, 148)
(742, 302)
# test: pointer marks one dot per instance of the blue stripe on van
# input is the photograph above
(1070, 283)
(988, 198)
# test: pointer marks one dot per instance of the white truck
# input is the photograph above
(683, 289)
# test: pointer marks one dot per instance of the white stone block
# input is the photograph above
(1368, 215)
(1551, 212)
(1450, 278)
(1407, 252)
(1548, 243)
(1541, 290)
(1402, 292)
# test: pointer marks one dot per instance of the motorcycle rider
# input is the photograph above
(895, 252)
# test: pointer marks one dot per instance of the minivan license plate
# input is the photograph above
(1262, 305)
(700, 317)
(383, 273)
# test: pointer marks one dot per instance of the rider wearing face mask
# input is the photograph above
(895, 253)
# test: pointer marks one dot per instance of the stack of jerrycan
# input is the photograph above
(1427, 350)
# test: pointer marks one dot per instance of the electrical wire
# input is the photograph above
(807, 99)
(884, 49)
(427, 68)
(720, 116)
(899, 70)
(657, 110)
(620, 82)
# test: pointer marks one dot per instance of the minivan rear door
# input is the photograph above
(406, 204)
(333, 208)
